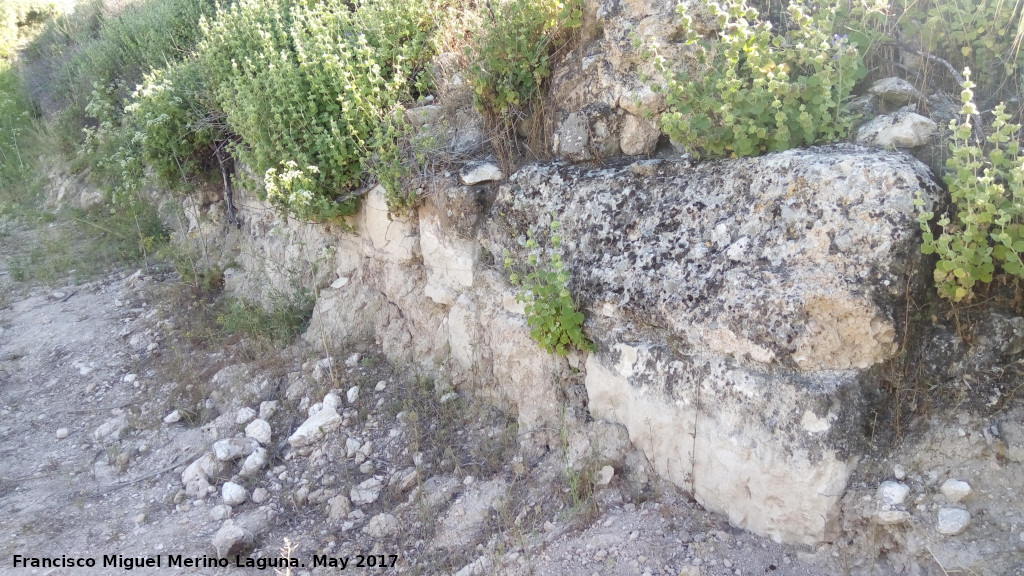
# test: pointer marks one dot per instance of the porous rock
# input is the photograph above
(750, 330)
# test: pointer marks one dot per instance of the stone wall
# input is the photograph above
(737, 308)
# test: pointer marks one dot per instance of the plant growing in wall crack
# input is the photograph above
(551, 312)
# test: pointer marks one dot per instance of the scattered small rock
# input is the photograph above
(895, 91)
(353, 360)
(260, 495)
(323, 368)
(338, 507)
(955, 490)
(62, 433)
(231, 539)
(229, 449)
(902, 129)
(953, 521)
(381, 526)
(113, 428)
(332, 401)
(479, 172)
(245, 415)
(893, 493)
(889, 517)
(315, 427)
(233, 494)
(381, 386)
(259, 430)
(267, 409)
(604, 476)
(352, 446)
(254, 462)
(366, 492)
(220, 512)
(353, 394)
(899, 472)
(173, 417)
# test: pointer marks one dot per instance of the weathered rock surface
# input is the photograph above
(232, 539)
(479, 172)
(230, 448)
(955, 490)
(366, 492)
(233, 494)
(259, 430)
(731, 343)
(314, 428)
(902, 129)
(952, 521)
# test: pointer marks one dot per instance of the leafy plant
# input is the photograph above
(511, 59)
(311, 82)
(285, 319)
(16, 127)
(174, 124)
(986, 186)
(95, 46)
(757, 91)
(551, 312)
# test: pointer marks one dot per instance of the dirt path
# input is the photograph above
(86, 471)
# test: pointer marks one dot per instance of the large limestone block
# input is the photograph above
(748, 445)
(737, 307)
(797, 258)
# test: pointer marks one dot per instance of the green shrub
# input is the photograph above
(511, 58)
(110, 149)
(91, 47)
(309, 84)
(15, 127)
(986, 224)
(757, 91)
(551, 312)
(285, 319)
(174, 123)
(128, 45)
